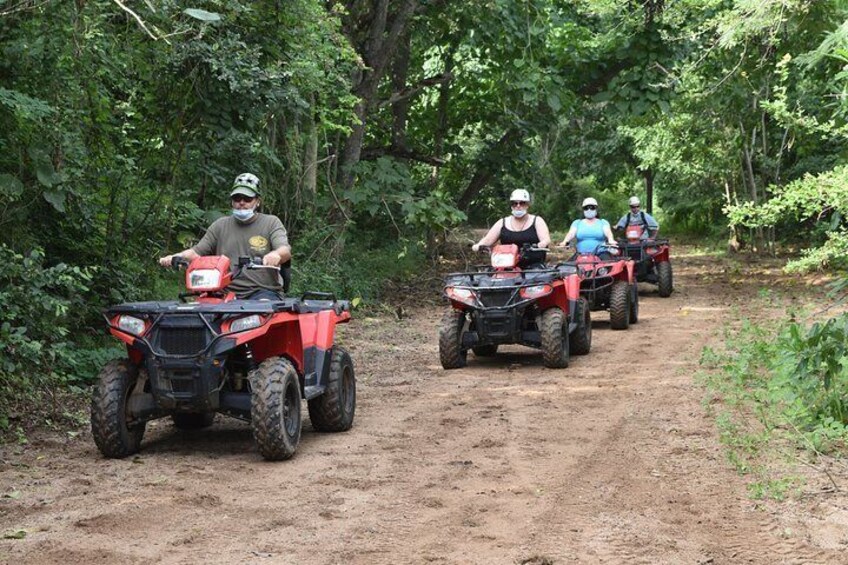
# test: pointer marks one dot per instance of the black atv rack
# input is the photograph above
(208, 316)
(522, 279)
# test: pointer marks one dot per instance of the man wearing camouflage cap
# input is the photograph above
(245, 233)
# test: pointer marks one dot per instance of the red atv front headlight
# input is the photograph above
(537, 291)
(131, 324)
(464, 295)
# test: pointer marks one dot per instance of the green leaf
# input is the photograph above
(46, 174)
(15, 534)
(202, 15)
(10, 186)
(56, 198)
(554, 103)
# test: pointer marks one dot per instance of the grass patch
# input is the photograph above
(779, 393)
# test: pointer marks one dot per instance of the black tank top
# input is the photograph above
(519, 237)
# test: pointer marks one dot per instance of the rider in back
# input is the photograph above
(636, 217)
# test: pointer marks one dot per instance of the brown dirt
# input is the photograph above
(613, 460)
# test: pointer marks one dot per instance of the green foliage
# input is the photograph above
(41, 306)
(794, 380)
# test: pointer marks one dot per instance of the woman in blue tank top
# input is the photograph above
(590, 232)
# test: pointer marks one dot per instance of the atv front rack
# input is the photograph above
(510, 287)
(210, 316)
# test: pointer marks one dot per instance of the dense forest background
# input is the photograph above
(378, 126)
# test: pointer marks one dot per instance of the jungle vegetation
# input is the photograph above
(377, 126)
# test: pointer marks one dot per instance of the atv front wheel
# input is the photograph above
(114, 437)
(333, 411)
(275, 408)
(193, 420)
(620, 305)
(554, 338)
(451, 353)
(634, 303)
(485, 350)
(665, 279)
(580, 340)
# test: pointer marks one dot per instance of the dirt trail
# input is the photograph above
(612, 460)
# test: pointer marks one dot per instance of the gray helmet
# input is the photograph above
(247, 184)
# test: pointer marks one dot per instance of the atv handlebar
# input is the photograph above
(178, 262)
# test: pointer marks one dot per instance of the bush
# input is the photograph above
(40, 308)
(795, 379)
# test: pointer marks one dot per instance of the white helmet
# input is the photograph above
(634, 201)
(519, 195)
(589, 202)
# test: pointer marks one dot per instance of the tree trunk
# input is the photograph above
(648, 174)
(488, 166)
(377, 49)
(310, 160)
(400, 110)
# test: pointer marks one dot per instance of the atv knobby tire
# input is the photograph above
(634, 303)
(485, 350)
(451, 353)
(333, 411)
(620, 305)
(580, 341)
(275, 411)
(665, 280)
(193, 420)
(554, 330)
(114, 438)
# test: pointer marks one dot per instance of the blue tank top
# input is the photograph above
(589, 236)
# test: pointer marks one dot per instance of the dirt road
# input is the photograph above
(612, 460)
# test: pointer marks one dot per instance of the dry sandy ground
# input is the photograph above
(613, 460)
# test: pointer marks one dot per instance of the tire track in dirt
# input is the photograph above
(609, 461)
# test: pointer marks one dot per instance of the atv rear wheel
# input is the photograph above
(634, 304)
(554, 338)
(451, 353)
(333, 411)
(665, 279)
(193, 420)
(485, 350)
(620, 305)
(275, 408)
(114, 437)
(580, 340)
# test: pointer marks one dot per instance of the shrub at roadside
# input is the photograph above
(41, 305)
(781, 386)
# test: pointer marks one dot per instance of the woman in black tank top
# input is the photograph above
(520, 228)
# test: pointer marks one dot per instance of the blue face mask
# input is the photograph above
(243, 215)
(589, 214)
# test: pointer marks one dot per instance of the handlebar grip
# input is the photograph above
(177, 262)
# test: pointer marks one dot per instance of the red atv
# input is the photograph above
(608, 282)
(651, 257)
(251, 359)
(538, 307)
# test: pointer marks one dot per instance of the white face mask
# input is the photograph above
(243, 215)
(589, 214)
(519, 213)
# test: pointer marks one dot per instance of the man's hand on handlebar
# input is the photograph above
(272, 259)
(174, 261)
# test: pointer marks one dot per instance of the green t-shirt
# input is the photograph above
(227, 236)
